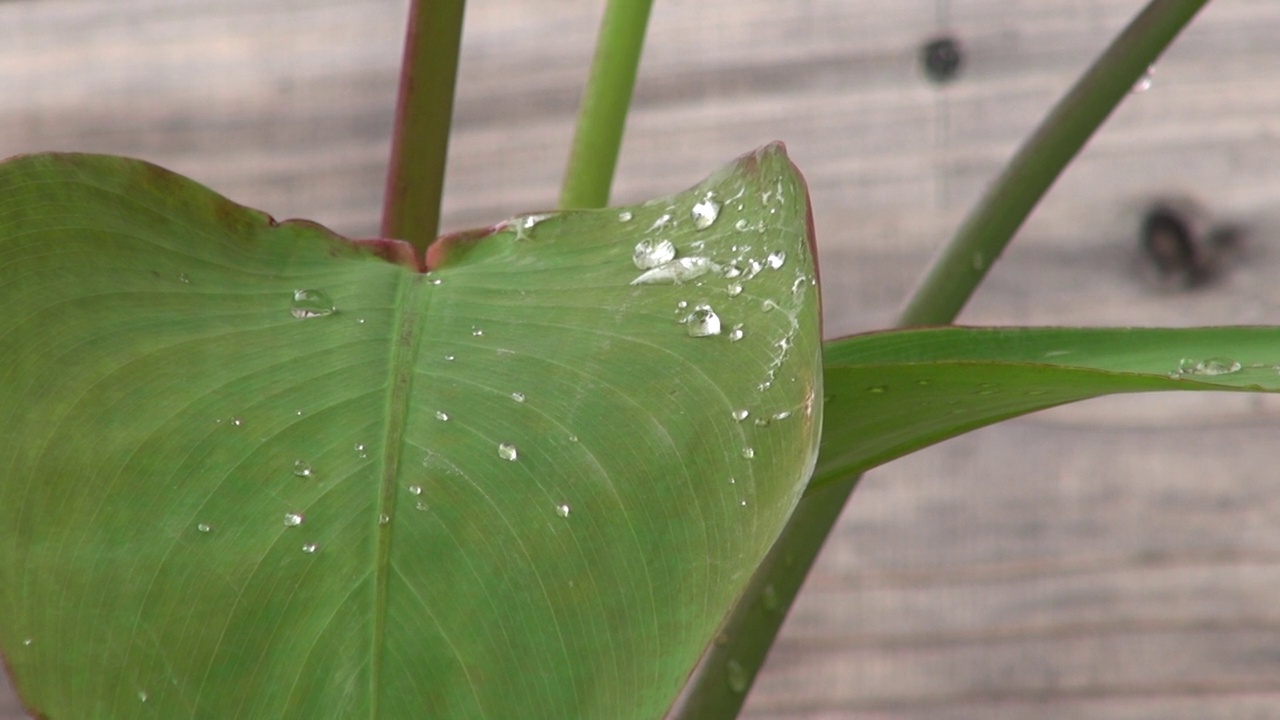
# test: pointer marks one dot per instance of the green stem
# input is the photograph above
(420, 143)
(717, 691)
(605, 102)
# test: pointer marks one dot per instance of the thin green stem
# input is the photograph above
(605, 103)
(719, 688)
(420, 143)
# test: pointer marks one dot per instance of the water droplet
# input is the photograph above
(743, 503)
(742, 225)
(415, 489)
(518, 397)
(878, 389)
(311, 304)
(292, 519)
(736, 676)
(1209, 366)
(477, 332)
(302, 468)
(310, 548)
(142, 695)
(507, 451)
(660, 223)
(748, 453)
(238, 422)
(28, 642)
(184, 278)
(677, 271)
(705, 213)
(448, 358)
(573, 438)
(734, 290)
(776, 259)
(204, 527)
(383, 519)
(442, 416)
(1145, 82)
(782, 415)
(703, 322)
(360, 451)
(652, 253)
(736, 333)
(563, 510)
(768, 306)
(769, 598)
(298, 413)
(624, 216)
(359, 321)
(741, 415)
(421, 506)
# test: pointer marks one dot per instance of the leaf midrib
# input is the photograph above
(403, 348)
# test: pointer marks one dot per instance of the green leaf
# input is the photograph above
(891, 393)
(514, 486)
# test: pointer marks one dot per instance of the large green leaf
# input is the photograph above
(255, 470)
(894, 392)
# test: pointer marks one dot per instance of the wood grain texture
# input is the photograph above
(1116, 559)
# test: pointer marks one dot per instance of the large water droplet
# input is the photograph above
(736, 676)
(302, 468)
(705, 213)
(311, 304)
(507, 451)
(703, 322)
(652, 253)
(292, 519)
(563, 510)
(677, 271)
(1209, 366)
(776, 259)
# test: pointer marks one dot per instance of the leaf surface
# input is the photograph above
(253, 469)
(891, 393)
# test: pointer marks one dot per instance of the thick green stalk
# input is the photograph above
(719, 688)
(420, 143)
(605, 101)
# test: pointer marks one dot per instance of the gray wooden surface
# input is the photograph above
(1115, 559)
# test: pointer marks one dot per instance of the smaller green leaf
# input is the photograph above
(891, 393)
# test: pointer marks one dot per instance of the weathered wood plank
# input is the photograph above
(1111, 560)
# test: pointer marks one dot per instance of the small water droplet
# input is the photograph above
(705, 213)
(298, 413)
(677, 271)
(238, 422)
(477, 332)
(507, 451)
(743, 503)
(359, 321)
(734, 290)
(421, 506)
(741, 415)
(383, 519)
(736, 676)
(703, 322)
(360, 451)
(742, 225)
(310, 548)
(204, 527)
(184, 278)
(768, 306)
(309, 303)
(776, 259)
(292, 519)
(1209, 366)
(563, 510)
(624, 216)
(652, 253)
(735, 334)
(448, 358)
(518, 397)
(748, 453)
(573, 438)
(1145, 82)
(142, 695)
(769, 598)
(27, 642)
(434, 280)
(302, 468)
(660, 223)
(442, 416)
(782, 415)
(733, 481)
(415, 489)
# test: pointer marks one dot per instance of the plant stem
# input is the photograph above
(605, 101)
(424, 109)
(754, 622)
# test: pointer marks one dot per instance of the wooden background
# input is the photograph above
(1114, 559)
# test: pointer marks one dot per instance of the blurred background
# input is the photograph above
(1113, 559)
